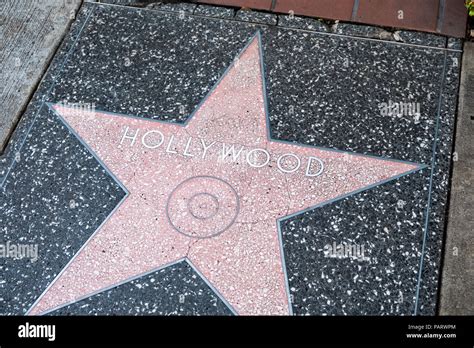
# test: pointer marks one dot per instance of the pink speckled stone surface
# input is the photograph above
(186, 199)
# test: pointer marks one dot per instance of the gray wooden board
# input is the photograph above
(30, 32)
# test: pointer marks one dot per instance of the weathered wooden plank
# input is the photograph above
(30, 32)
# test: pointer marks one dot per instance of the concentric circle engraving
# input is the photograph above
(202, 207)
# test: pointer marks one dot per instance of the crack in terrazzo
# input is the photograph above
(289, 196)
(190, 246)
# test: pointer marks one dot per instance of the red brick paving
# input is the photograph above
(339, 9)
(400, 13)
(455, 18)
(424, 15)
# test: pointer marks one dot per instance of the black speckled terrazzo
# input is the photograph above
(339, 106)
(302, 23)
(55, 198)
(323, 90)
(214, 11)
(387, 223)
(357, 30)
(441, 168)
(257, 17)
(405, 36)
(179, 7)
(147, 54)
(174, 290)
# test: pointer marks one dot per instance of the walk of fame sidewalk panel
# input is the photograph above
(320, 93)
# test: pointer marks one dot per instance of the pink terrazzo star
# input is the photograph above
(210, 191)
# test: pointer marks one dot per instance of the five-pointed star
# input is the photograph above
(187, 200)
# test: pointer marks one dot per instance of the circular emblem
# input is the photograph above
(202, 207)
